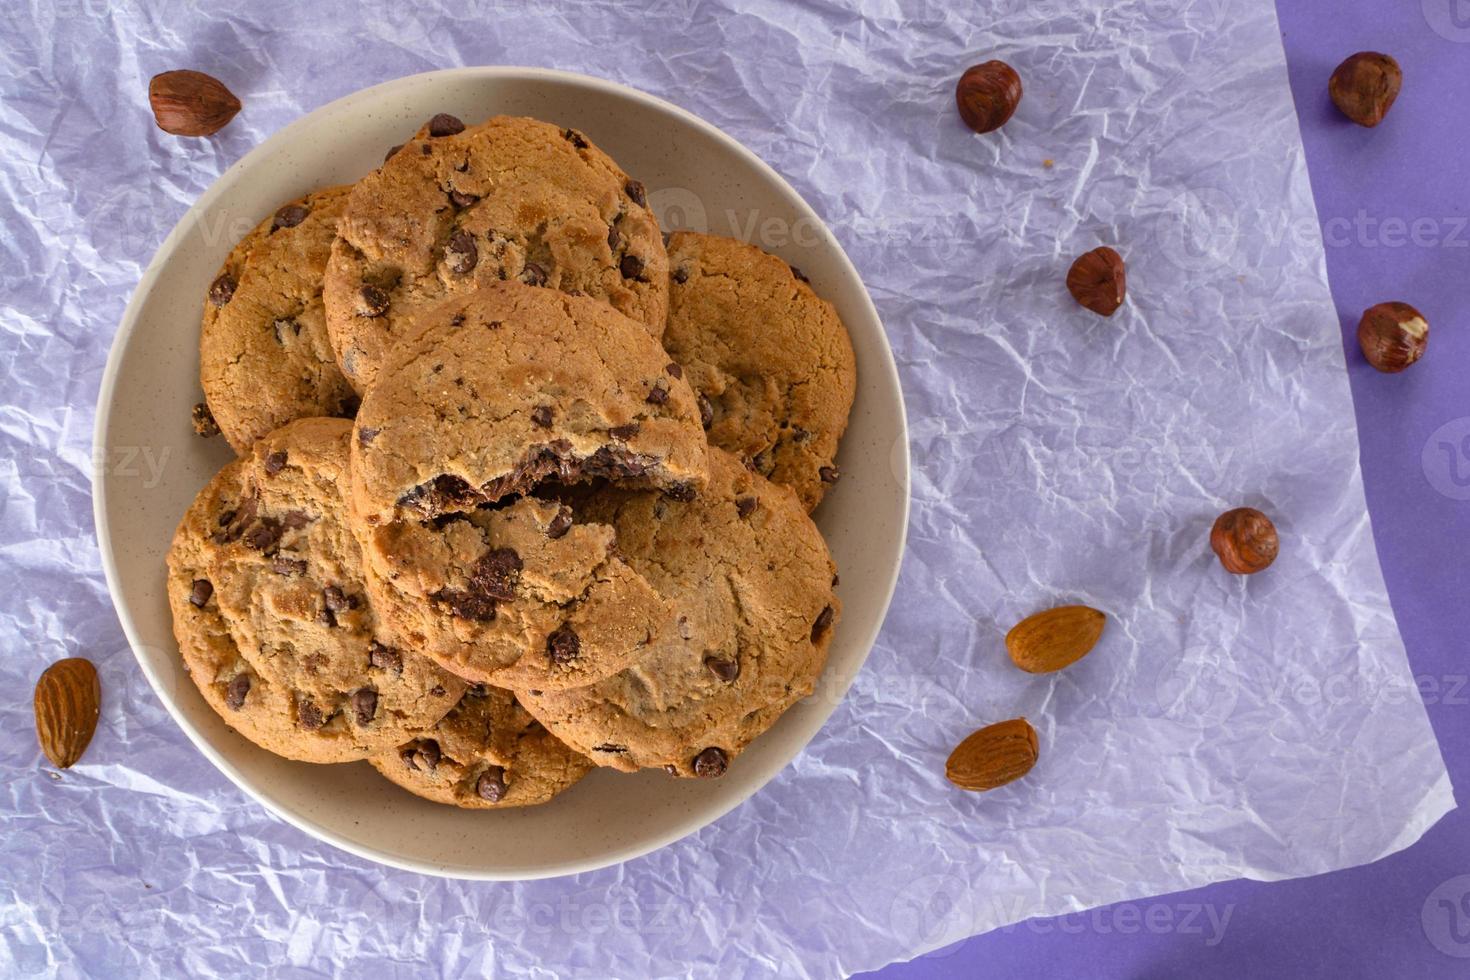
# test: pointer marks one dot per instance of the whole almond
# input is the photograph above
(68, 698)
(1053, 639)
(191, 103)
(995, 755)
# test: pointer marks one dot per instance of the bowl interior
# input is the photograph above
(150, 465)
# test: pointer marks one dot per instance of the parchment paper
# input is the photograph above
(1264, 727)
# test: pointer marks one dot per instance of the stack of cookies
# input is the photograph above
(522, 484)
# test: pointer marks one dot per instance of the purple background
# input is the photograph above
(1391, 201)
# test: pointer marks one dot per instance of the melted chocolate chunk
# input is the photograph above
(385, 657)
(422, 755)
(541, 415)
(222, 290)
(533, 275)
(461, 254)
(497, 573)
(275, 462)
(200, 592)
(711, 763)
(491, 784)
(282, 565)
(309, 716)
(575, 138)
(822, 623)
(635, 191)
(563, 646)
(462, 200)
(364, 705)
(623, 433)
(264, 535)
(560, 524)
(236, 692)
(631, 266)
(657, 395)
(289, 217)
(464, 604)
(366, 436)
(706, 412)
(724, 668)
(444, 124)
(203, 421)
(829, 474)
(674, 370)
(746, 506)
(372, 301)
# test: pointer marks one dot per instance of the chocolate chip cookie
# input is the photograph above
(510, 199)
(264, 354)
(770, 359)
(487, 753)
(752, 583)
(501, 389)
(266, 586)
(517, 595)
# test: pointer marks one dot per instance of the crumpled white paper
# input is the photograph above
(1264, 727)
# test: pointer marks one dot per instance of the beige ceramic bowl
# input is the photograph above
(150, 465)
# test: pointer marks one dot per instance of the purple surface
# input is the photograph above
(1392, 206)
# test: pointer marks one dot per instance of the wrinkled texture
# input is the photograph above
(1057, 457)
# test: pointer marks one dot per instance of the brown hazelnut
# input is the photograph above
(1365, 85)
(1098, 280)
(987, 95)
(1245, 540)
(1393, 336)
(191, 103)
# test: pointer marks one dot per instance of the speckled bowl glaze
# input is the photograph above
(698, 178)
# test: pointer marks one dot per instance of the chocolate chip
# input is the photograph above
(200, 592)
(426, 148)
(437, 690)
(462, 200)
(222, 289)
(671, 769)
(392, 152)
(706, 412)
(275, 462)
(336, 600)
(614, 239)
(286, 327)
(264, 535)
(682, 492)
(466, 605)
(365, 436)
(373, 301)
(236, 691)
(541, 415)
(432, 498)
(560, 524)
(282, 565)
(309, 715)
(364, 705)
(460, 254)
(203, 421)
(497, 573)
(491, 784)
(680, 275)
(563, 645)
(610, 747)
(445, 125)
(385, 657)
(724, 668)
(822, 623)
(327, 618)
(674, 370)
(798, 274)
(289, 217)
(711, 763)
(657, 395)
(745, 506)
(422, 755)
(533, 275)
(296, 519)
(829, 474)
(623, 433)
(760, 463)
(836, 580)
(631, 266)
(799, 435)
(634, 189)
(575, 138)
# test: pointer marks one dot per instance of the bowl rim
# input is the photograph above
(885, 365)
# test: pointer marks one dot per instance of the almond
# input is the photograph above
(191, 103)
(995, 755)
(68, 698)
(1053, 639)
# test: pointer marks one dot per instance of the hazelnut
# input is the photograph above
(987, 95)
(1365, 85)
(1393, 336)
(1098, 280)
(191, 103)
(1245, 540)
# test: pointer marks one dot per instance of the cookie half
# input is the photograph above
(770, 359)
(499, 390)
(264, 354)
(752, 583)
(487, 753)
(510, 199)
(269, 607)
(518, 595)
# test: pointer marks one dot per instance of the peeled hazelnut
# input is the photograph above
(1098, 281)
(1245, 540)
(1393, 336)
(191, 103)
(987, 95)
(1365, 85)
